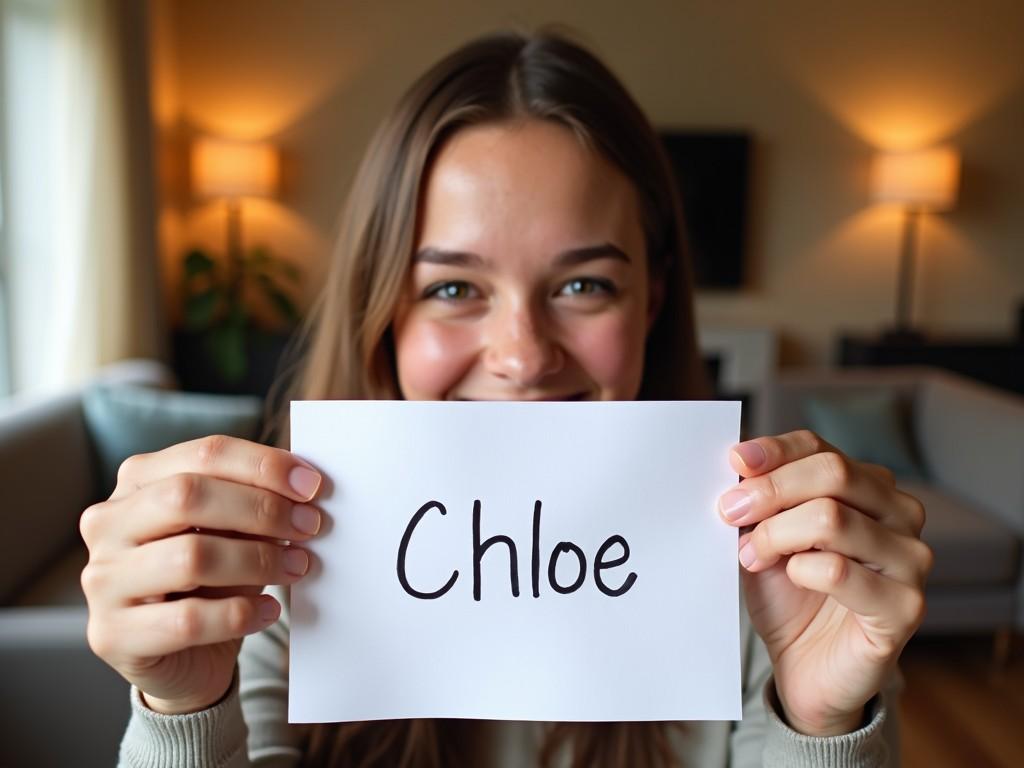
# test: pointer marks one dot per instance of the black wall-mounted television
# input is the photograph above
(712, 171)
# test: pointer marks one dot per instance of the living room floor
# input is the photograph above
(957, 709)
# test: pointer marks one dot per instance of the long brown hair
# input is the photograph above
(348, 350)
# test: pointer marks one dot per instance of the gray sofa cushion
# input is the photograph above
(46, 470)
(61, 705)
(971, 548)
(872, 426)
(126, 419)
(60, 584)
(970, 438)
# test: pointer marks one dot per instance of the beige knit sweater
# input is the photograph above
(250, 726)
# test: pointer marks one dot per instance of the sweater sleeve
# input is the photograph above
(249, 727)
(211, 738)
(763, 739)
(866, 747)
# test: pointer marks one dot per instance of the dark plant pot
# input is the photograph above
(197, 372)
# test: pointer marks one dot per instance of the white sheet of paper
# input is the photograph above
(364, 648)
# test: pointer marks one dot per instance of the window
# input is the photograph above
(28, 43)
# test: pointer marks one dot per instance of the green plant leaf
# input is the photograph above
(259, 256)
(237, 315)
(281, 301)
(261, 261)
(200, 309)
(197, 262)
(226, 349)
(289, 270)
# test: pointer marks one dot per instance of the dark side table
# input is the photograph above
(999, 362)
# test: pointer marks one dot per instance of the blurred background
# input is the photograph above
(105, 102)
(853, 176)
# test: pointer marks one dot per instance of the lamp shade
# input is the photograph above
(923, 180)
(223, 168)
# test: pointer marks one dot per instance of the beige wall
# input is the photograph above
(820, 90)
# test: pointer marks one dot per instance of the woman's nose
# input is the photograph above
(520, 349)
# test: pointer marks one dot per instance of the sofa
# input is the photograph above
(967, 438)
(61, 705)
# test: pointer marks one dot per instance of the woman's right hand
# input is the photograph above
(179, 555)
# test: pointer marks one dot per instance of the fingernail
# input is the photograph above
(747, 555)
(296, 561)
(735, 504)
(304, 482)
(306, 518)
(751, 454)
(269, 610)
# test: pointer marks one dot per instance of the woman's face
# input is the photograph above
(529, 278)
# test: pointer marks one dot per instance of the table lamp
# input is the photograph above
(921, 182)
(231, 170)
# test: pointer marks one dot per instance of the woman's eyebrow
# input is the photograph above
(569, 258)
(576, 256)
(431, 255)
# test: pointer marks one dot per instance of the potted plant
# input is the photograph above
(223, 346)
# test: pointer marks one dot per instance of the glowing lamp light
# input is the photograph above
(230, 169)
(923, 181)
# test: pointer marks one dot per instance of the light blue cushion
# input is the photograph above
(869, 426)
(126, 419)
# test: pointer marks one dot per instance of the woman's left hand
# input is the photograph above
(833, 572)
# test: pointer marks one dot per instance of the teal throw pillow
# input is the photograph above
(869, 426)
(126, 419)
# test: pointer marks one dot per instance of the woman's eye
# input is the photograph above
(587, 286)
(452, 290)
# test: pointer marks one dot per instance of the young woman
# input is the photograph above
(512, 233)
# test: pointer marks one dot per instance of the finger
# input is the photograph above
(888, 611)
(184, 502)
(883, 473)
(159, 629)
(228, 458)
(763, 454)
(190, 561)
(829, 525)
(821, 475)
